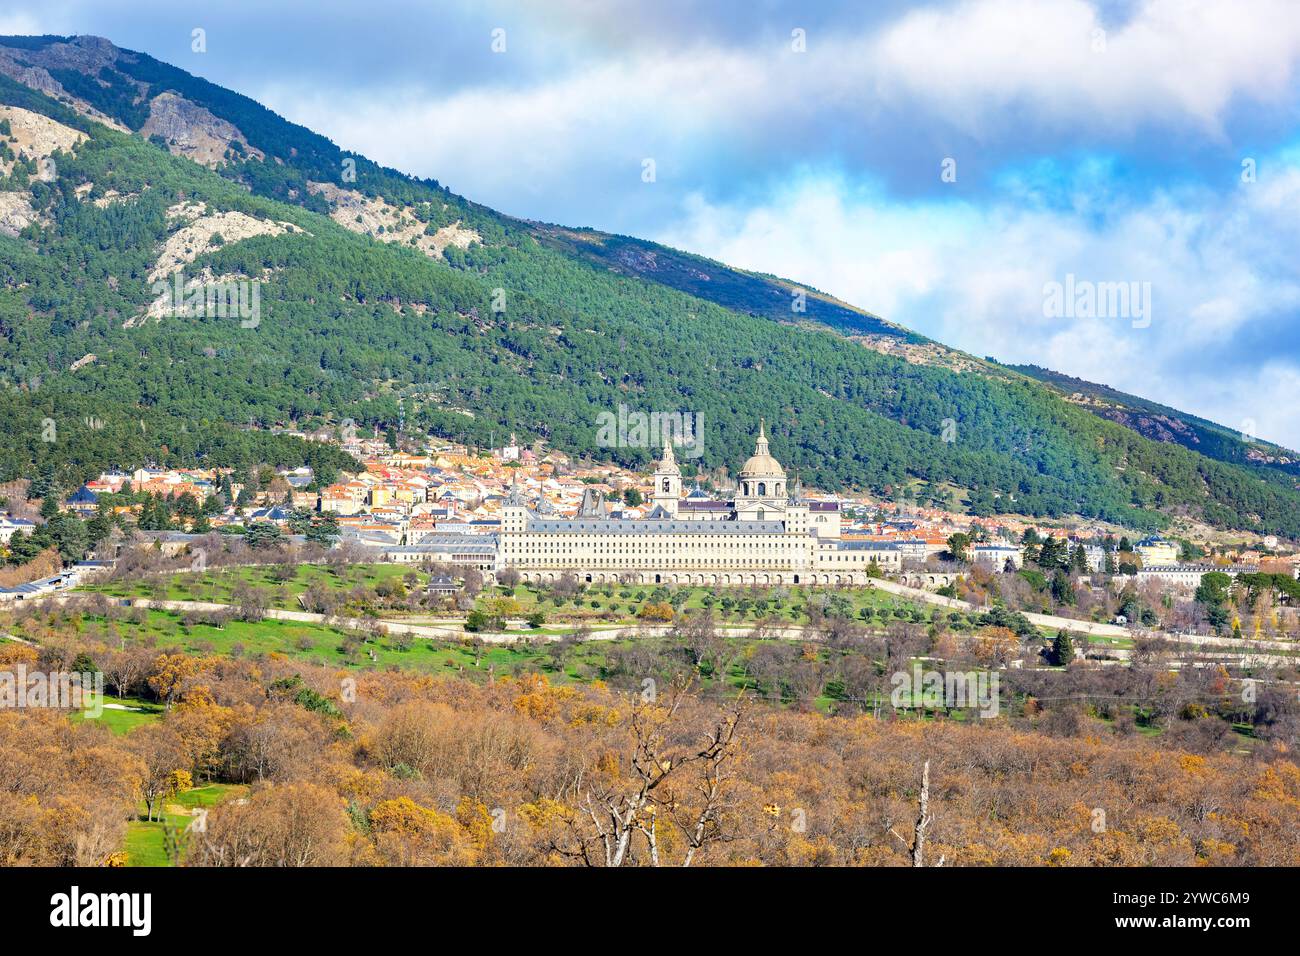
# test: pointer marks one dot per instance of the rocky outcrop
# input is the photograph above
(189, 129)
(199, 234)
(387, 223)
(36, 137)
(1161, 428)
(85, 54)
(918, 353)
(108, 198)
(16, 213)
(193, 132)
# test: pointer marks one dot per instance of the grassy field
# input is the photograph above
(736, 611)
(324, 645)
(572, 662)
(217, 585)
(622, 604)
(146, 843)
(615, 604)
(122, 721)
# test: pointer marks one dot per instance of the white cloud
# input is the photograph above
(995, 70)
(981, 65)
(1220, 268)
(526, 141)
(21, 23)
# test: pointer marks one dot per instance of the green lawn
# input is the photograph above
(1119, 643)
(736, 611)
(145, 840)
(582, 663)
(615, 604)
(217, 585)
(621, 604)
(124, 721)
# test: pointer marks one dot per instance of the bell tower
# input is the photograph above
(668, 480)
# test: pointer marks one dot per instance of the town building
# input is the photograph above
(767, 534)
(443, 585)
(1157, 551)
(478, 552)
(1187, 575)
(996, 556)
(1095, 556)
(10, 526)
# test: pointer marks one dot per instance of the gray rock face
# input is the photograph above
(84, 54)
(191, 130)
(34, 76)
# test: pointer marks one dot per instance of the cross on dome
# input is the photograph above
(761, 464)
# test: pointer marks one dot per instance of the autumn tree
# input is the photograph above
(170, 673)
(162, 755)
(675, 780)
(298, 824)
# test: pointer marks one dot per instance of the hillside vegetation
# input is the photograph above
(511, 329)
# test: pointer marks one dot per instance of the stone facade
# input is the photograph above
(766, 535)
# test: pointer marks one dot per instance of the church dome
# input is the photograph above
(761, 464)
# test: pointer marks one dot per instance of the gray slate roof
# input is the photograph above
(857, 545)
(652, 526)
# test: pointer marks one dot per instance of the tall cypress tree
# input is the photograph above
(1062, 649)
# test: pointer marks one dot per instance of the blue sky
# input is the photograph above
(1103, 140)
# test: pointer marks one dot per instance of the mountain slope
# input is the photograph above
(390, 300)
(1162, 423)
(717, 282)
(279, 159)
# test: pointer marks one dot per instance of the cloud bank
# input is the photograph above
(1103, 139)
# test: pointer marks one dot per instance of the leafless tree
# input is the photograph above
(252, 602)
(923, 820)
(123, 669)
(683, 782)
